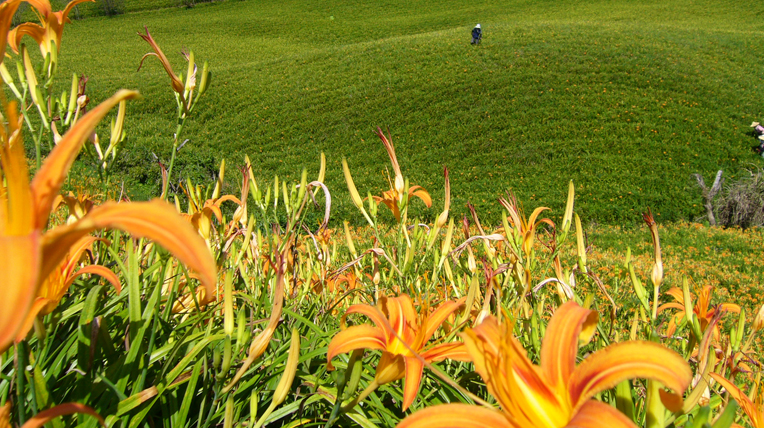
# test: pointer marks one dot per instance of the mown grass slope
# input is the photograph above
(627, 99)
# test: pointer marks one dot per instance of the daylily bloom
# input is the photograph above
(201, 216)
(7, 10)
(399, 331)
(54, 287)
(393, 197)
(78, 205)
(524, 230)
(522, 236)
(555, 394)
(48, 35)
(753, 408)
(28, 255)
(701, 309)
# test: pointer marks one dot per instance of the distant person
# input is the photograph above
(760, 148)
(477, 35)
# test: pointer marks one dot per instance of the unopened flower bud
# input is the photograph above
(82, 101)
(758, 321)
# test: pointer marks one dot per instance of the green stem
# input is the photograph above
(265, 415)
(362, 396)
(655, 411)
(181, 120)
(337, 410)
(21, 363)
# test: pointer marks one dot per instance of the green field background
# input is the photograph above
(627, 99)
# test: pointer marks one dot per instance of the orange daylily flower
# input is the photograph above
(702, 309)
(78, 205)
(399, 331)
(28, 254)
(524, 230)
(393, 197)
(54, 287)
(7, 10)
(50, 32)
(557, 393)
(201, 217)
(754, 408)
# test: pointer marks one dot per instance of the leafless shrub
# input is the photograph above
(741, 202)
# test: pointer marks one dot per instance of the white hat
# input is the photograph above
(477, 26)
(753, 125)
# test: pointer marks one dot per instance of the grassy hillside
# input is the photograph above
(628, 100)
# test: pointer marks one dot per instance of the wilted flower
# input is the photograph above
(177, 84)
(393, 197)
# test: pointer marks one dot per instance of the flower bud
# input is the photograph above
(280, 394)
(758, 321)
(357, 201)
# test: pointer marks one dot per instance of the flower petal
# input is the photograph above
(31, 29)
(483, 340)
(560, 345)
(413, 379)
(435, 319)
(402, 316)
(454, 350)
(7, 10)
(101, 271)
(729, 307)
(46, 416)
(47, 182)
(16, 201)
(42, 6)
(376, 317)
(456, 416)
(39, 304)
(155, 220)
(356, 337)
(422, 194)
(595, 414)
(628, 360)
(68, 8)
(19, 259)
(748, 406)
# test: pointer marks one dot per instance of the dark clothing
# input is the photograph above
(477, 34)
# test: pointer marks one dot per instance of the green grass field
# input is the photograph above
(627, 99)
